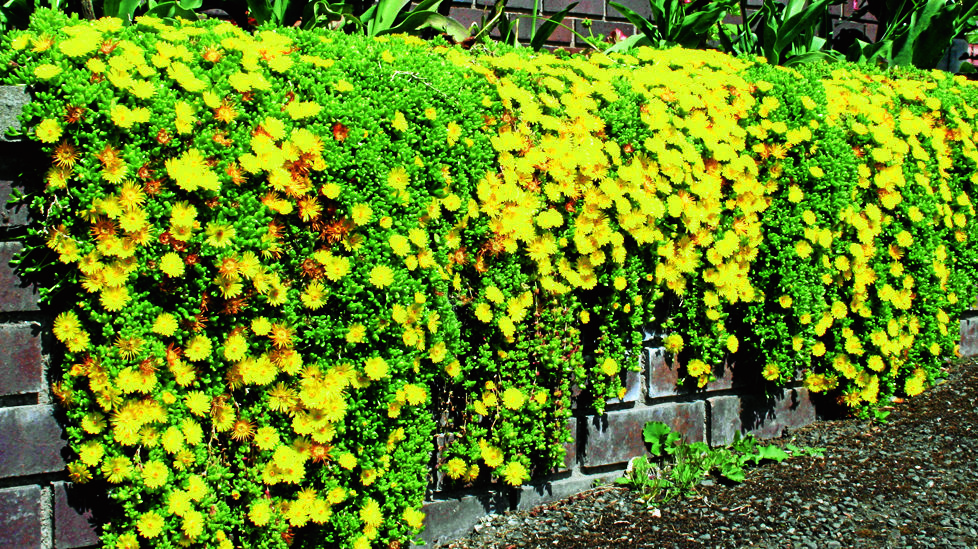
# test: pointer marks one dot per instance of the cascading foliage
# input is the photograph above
(286, 264)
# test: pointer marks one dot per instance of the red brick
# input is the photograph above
(21, 369)
(73, 517)
(641, 7)
(586, 8)
(467, 16)
(20, 517)
(32, 441)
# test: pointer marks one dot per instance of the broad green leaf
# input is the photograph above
(548, 27)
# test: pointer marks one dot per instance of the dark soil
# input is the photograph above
(911, 481)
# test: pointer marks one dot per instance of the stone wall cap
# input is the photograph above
(12, 100)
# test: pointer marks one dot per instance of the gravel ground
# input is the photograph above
(911, 481)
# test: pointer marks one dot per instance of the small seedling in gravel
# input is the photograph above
(675, 467)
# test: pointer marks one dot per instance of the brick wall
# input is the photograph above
(604, 19)
(37, 505)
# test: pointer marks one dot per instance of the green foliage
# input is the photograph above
(784, 33)
(677, 467)
(913, 32)
(674, 23)
(508, 25)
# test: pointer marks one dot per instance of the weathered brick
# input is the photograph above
(633, 389)
(570, 448)
(724, 377)
(450, 519)
(32, 441)
(20, 517)
(545, 492)
(616, 437)
(21, 369)
(661, 375)
(969, 337)
(763, 418)
(15, 295)
(73, 517)
(12, 100)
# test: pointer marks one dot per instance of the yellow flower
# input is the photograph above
(48, 131)
(198, 348)
(190, 172)
(515, 473)
(785, 301)
(150, 524)
(198, 403)
(114, 299)
(266, 438)
(375, 368)
(235, 346)
(219, 235)
(803, 249)
(356, 334)
(116, 469)
(155, 474)
(382, 276)
(483, 311)
(414, 394)
(732, 343)
(361, 214)
(513, 398)
(261, 326)
(771, 372)
(260, 512)
(347, 460)
(454, 132)
(90, 453)
(399, 123)
(127, 541)
(697, 368)
(172, 265)
(818, 349)
(370, 513)
(490, 454)
(455, 468)
(673, 343)
(610, 367)
(66, 326)
(47, 71)
(413, 517)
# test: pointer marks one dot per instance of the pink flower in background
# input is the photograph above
(617, 36)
